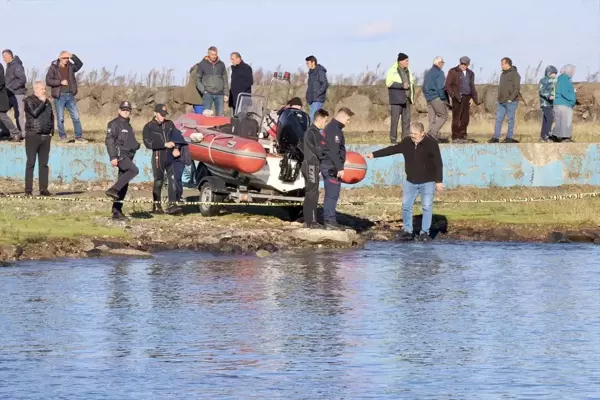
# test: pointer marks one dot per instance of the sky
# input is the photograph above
(346, 36)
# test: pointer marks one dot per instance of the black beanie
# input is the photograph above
(402, 57)
(295, 102)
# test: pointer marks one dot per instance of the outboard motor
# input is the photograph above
(291, 127)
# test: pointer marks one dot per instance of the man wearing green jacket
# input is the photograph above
(400, 83)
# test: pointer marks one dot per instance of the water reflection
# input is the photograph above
(405, 321)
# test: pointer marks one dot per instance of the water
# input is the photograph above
(410, 321)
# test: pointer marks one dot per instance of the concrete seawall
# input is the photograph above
(476, 165)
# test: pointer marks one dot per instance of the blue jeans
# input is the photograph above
(314, 107)
(67, 100)
(508, 110)
(410, 193)
(198, 108)
(217, 99)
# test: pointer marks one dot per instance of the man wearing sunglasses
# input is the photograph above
(63, 83)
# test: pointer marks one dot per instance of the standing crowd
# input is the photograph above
(324, 146)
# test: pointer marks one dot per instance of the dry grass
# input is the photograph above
(359, 132)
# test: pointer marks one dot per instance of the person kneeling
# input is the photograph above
(39, 128)
(313, 154)
(424, 174)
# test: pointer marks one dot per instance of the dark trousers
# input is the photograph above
(37, 146)
(174, 175)
(127, 171)
(460, 117)
(332, 194)
(159, 166)
(547, 120)
(397, 111)
(311, 191)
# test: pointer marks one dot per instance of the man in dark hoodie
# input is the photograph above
(509, 90)
(332, 164)
(16, 82)
(313, 144)
(166, 142)
(121, 145)
(242, 79)
(63, 86)
(212, 81)
(316, 90)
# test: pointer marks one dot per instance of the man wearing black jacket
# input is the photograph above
(313, 153)
(424, 174)
(242, 79)
(332, 165)
(39, 127)
(158, 135)
(121, 145)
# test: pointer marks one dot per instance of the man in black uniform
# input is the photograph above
(313, 153)
(158, 135)
(332, 165)
(121, 145)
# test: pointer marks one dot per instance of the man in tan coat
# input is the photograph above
(191, 95)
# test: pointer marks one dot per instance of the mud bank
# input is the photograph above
(273, 237)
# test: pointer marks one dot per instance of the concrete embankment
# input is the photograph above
(474, 165)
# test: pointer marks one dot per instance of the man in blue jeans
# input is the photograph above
(316, 90)
(424, 174)
(63, 87)
(509, 90)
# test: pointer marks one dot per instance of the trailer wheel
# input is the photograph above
(208, 195)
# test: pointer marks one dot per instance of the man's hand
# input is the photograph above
(551, 97)
(225, 98)
(405, 85)
(64, 82)
(369, 156)
(471, 102)
(340, 174)
(114, 162)
(439, 187)
(169, 145)
(176, 153)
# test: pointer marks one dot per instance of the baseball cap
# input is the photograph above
(161, 109)
(125, 105)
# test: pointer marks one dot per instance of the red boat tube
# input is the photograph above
(355, 168)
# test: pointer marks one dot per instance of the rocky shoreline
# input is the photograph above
(271, 239)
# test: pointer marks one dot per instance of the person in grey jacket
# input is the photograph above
(16, 82)
(212, 81)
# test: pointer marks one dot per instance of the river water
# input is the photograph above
(415, 321)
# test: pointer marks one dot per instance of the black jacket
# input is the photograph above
(312, 145)
(156, 135)
(16, 80)
(4, 104)
(120, 138)
(334, 152)
(422, 161)
(317, 85)
(241, 82)
(53, 76)
(39, 118)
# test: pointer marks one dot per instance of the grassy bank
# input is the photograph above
(27, 221)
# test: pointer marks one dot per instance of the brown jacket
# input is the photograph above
(53, 77)
(452, 86)
(191, 94)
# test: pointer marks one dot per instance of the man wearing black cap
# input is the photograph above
(158, 138)
(400, 83)
(121, 145)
